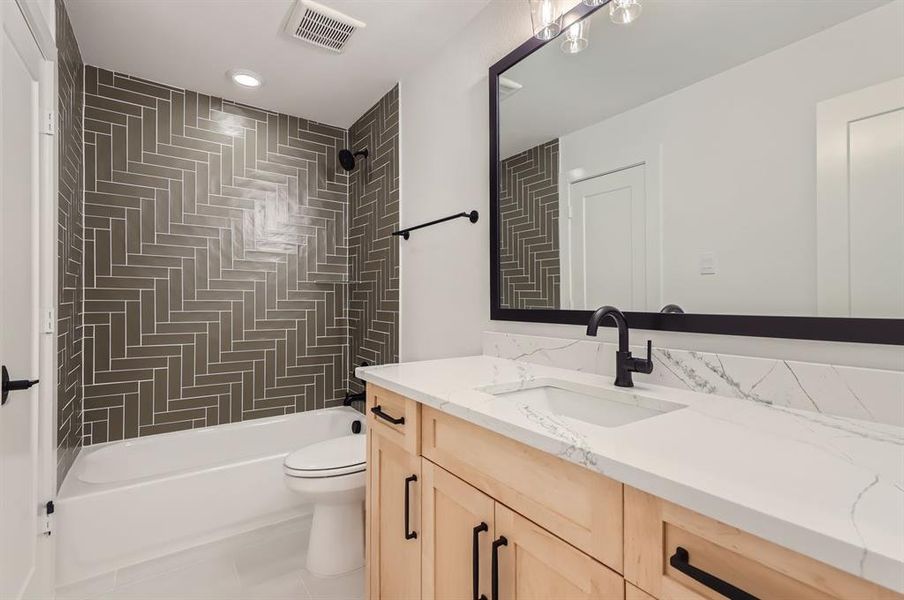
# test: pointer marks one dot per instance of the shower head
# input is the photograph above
(347, 159)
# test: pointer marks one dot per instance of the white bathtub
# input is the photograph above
(127, 502)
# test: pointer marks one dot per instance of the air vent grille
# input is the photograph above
(321, 25)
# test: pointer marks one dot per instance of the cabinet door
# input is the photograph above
(534, 564)
(458, 528)
(394, 542)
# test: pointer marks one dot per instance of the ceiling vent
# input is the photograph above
(320, 25)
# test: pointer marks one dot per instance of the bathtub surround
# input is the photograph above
(70, 88)
(851, 392)
(529, 222)
(373, 252)
(215, 260)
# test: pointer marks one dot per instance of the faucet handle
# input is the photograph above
(646, 366)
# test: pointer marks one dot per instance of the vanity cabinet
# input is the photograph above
(393, 499)
(455, 511)
(672, 552)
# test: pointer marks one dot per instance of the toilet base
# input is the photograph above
(336, 545)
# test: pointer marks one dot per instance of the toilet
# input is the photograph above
(331, 475)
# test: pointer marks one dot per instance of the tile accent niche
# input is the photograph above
(374, 251)
(216, 260)
(70, 74)
(529, 222)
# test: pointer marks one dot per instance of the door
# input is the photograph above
(607, 240)
(20, 71)
(458, 525)
(860, 215)
(394, 526)
(534, 564)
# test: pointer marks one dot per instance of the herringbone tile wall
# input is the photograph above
(529, 222)
(70, 72)
(373, 250)
(216, 260)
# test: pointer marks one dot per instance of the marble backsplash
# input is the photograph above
(868, 394)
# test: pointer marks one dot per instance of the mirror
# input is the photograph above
(712, 157)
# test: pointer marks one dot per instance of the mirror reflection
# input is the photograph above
(714, 157)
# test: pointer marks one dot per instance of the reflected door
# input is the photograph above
(607, 241)
(860, 212)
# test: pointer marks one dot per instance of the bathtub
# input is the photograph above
(126, 502)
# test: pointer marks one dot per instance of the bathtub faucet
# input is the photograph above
(350, 397)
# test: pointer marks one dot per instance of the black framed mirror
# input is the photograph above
(701, 178)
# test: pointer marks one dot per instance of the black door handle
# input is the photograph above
(475, 557)
(378, 411)
(409, 535)
(494, 573)
(681, 561)
(12, 385)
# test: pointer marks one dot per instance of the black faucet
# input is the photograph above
(625, 364)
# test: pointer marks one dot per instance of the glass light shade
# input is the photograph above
(575, 37)
(546, 18)
(623, 12)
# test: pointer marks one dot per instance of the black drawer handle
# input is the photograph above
(475, 556)
(681, 561)
(378, 411)
(409, 535)
(494, 573)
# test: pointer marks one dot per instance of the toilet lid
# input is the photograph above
(329, 458)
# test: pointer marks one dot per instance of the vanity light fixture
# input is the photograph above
(245, 78)
(546, 18)
(623, 12)
(575, 37)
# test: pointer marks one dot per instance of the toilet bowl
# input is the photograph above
(331, 475)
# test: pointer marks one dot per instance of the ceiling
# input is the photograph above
(673, 44)
(193, 43)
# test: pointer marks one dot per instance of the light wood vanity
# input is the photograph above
(455, 511)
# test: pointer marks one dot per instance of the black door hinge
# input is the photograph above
(49, 507)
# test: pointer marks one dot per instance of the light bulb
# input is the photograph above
(245, 78)
(546, 18)
(575, 39)
(623, 12)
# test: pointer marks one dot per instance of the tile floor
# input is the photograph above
(267, 564)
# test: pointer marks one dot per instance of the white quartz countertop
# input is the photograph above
(826, 487)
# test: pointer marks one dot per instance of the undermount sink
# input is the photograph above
(566, 400)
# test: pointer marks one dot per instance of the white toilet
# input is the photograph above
(331, 475)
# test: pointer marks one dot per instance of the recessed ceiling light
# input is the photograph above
(245, 78)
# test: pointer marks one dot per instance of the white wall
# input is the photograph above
(738, 165)
(444, 161)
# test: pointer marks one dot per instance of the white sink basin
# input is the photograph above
(570, 401)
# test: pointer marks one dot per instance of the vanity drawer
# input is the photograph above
(577, 505)
(394, 417)
(657, 530)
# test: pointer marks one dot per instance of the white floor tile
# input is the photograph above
(344, 587)
(212, 579)
(287, 587)
(89, 588)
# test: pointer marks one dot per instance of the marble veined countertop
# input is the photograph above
(826, 487)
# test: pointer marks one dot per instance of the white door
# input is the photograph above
(860, 203)
(607, 241)
(20, 69)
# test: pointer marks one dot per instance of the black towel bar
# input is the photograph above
(406, 233)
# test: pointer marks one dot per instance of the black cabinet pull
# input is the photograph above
(494, 573)
(681, 561)
(409, 535)
(475, 557)
(378, 411)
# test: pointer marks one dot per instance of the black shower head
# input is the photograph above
(347, 159)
